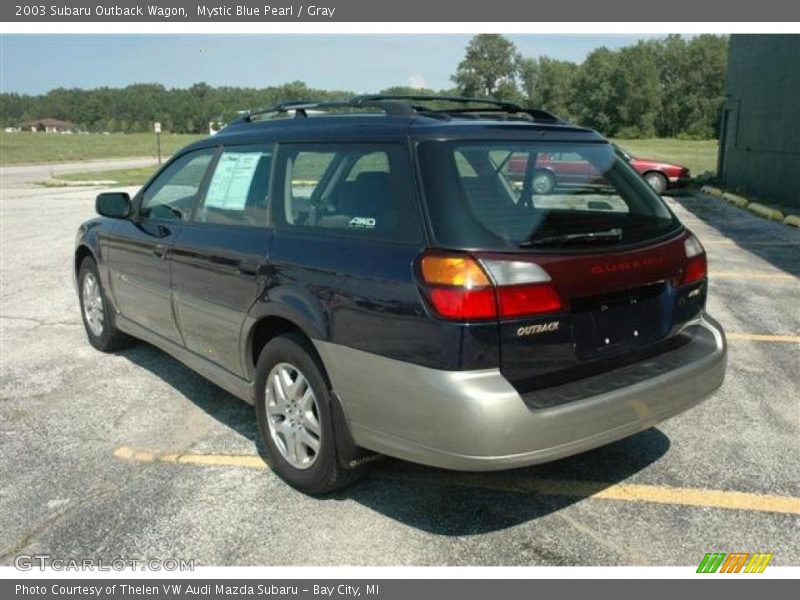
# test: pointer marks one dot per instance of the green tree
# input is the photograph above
(668, 87)
(547, 83)
(489, 68)
(692, 75)
(404, 90)
(636, 93)
(707, 62)
(671, 59)
(592, 98)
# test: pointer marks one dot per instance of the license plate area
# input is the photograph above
(612, 323)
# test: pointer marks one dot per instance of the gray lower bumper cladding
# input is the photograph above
(476, 421)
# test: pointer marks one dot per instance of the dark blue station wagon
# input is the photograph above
(376, 280)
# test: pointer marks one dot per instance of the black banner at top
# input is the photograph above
(399, 11)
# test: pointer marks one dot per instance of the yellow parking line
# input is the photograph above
(758, 337)
(751, 275)
(625, 492)
(216, 460)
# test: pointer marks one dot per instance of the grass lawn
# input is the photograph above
(26, 147)
(121, 176)
(699, 156)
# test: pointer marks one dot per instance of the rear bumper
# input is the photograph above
(476, 421)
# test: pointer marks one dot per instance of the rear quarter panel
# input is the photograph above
(362, 294)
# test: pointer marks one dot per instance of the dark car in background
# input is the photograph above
(560, 169)
(375, 282)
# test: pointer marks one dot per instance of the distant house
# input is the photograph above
(48, 125)
(760, 135)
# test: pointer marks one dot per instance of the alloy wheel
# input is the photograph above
(93, 304)
(543, 183)
(293, 415)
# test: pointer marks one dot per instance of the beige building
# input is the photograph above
(47, 125)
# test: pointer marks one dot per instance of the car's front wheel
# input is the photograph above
(295, 416)
(98, 316)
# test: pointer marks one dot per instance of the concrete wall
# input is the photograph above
(760, 129)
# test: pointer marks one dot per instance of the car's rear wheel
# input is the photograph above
(292, 414)
(657, 181)
(295, 416)
(97, 313)
(543, 182)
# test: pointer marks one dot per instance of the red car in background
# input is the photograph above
(568, 169)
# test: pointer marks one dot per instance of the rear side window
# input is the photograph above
(357, 190)
(502, 195)
(307, 169)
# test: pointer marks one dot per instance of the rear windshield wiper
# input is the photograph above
(608, 236)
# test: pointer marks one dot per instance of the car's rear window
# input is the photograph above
(546, 195)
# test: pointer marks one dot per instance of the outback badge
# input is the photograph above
(538, 328)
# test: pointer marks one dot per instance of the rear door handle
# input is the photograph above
(160, 251)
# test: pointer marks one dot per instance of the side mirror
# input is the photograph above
(115, 205)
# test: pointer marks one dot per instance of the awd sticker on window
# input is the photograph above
(363, 222)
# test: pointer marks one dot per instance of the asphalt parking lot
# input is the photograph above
(134, 455)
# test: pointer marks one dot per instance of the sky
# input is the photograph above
(33, 64)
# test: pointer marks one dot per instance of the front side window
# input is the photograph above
(359, 190)
(546, 195)
(171, 194)
(238, 189)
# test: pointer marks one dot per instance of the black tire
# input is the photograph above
(657, 181)
(325, 474)
(109, 338)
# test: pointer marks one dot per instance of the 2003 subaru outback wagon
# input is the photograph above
(371, 275)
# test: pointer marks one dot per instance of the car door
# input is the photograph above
(138, 248)
(572, 168)
(218, 262)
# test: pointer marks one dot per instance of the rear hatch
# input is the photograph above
(585, 276)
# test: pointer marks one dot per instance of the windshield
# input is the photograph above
(503, 195)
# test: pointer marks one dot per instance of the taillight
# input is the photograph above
(461, 287)
(460, 271)
(457, 303)
(519, 300)
(696, 264)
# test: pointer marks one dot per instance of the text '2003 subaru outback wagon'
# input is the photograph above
(372, 275)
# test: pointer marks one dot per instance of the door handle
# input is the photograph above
(160, 251)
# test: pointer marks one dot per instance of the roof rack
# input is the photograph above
(300, 108)
(408, 106)
(502, 104)
(491, 106)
